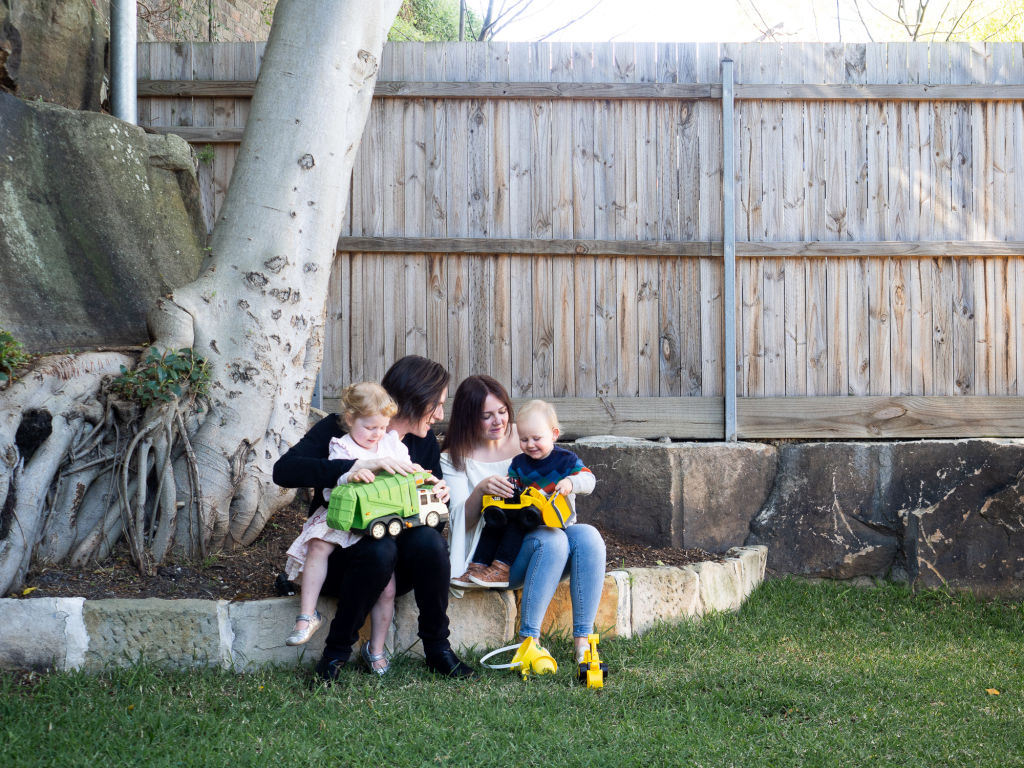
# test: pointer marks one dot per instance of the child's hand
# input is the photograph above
(441, 489)
(360, 476)
(563, 487)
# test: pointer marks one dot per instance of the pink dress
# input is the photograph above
(316, 526)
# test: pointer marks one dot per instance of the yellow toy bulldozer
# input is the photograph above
(528, 508)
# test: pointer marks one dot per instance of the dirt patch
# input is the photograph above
(249, 574)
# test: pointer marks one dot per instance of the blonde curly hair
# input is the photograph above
(367, 398)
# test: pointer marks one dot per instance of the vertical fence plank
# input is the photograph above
(795, 182)
(623, 206)
(435, 223)
(859, 356)
(414, 277)
(899, 191)
(836, 117)
(563, 342)
(750, 226)
(709, 225)
(605, 295)
(919, 138)
(479, 268)
(647, 202)
(878, 205)
(942, 228)
(584, 173)
(541, 185)
(521, 221)
(503, 340)
(457, 116)
(817, 229)
(773, 205)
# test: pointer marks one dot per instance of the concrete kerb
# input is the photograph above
(74, 633)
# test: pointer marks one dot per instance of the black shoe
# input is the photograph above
(283, 587)
(328, 668)
(448, 664)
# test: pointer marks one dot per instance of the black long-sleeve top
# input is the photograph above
(305, 464)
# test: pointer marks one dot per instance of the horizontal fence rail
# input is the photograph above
(553, 214)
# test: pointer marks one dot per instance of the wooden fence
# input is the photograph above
(553, 214)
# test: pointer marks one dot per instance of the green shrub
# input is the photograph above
(162, 377)
(12, 356)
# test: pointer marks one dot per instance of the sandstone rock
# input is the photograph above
(822, 517)
(99, 220)
(720, 586)
(558, 619)
(259, 629)
(42, 634)
(664, 594)
(481, 618)
(54, 51)
(176, 633)
(936, 512)
(752, 561)
(686, 495)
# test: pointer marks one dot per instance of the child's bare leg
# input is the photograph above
(381, 614)
(314, 572)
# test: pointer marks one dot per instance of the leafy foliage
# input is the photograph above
(424, 20)
(12, 356)
(163, 377)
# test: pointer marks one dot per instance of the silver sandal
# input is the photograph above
(372, 658)
(302, 636)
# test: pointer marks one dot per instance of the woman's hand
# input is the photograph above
(386, 464)
(563, 487)
(496, 485)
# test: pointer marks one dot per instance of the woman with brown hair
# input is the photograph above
(479, 446)
(418, 557)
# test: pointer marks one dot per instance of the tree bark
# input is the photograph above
(256, 313)
(198, 476)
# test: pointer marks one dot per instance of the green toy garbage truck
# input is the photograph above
(387, 506)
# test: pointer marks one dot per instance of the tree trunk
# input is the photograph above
(256, 314)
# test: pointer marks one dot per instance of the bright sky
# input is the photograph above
(700, 20)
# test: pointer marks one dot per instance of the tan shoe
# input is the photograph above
(495, 576)
(464, 581)
(301, 636)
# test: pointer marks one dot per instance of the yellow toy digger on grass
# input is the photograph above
(592, 671)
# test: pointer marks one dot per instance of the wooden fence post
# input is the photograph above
(729, 248)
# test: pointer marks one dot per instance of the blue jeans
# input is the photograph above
(546, 556)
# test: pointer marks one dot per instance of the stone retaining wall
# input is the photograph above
(934, 513)
(73, 633)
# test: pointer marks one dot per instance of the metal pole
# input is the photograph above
(123, 71)
(729, 246)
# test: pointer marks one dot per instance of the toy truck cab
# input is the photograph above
(528, 507)
(387, 506)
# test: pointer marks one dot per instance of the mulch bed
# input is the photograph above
(249, 573)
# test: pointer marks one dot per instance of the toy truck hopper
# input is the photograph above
(387, 506)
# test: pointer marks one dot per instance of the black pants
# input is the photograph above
(357, 575)
(497, 543)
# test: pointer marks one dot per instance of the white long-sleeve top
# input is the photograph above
(462, 543)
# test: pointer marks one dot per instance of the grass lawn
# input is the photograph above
(805, 674)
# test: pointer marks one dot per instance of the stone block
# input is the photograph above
(663, 594)
(176, 633)
(42, 634)
(752, 562)
(687, 495)
(481, 618)
(259, 629)
(724, 487)
(936, 512)
(54, 51)
(100, 219)
(822, 517)
(720, 585)
(558, 619)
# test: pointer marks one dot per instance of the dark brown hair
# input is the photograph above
(464, 427)
(416, 384)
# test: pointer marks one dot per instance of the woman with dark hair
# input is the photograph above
(477, 451)
(418, 557)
